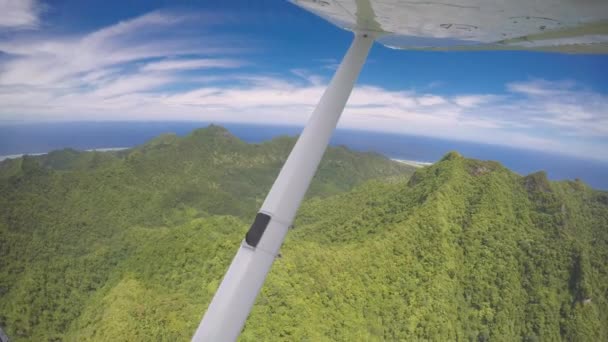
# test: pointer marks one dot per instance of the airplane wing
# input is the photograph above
(571, 26)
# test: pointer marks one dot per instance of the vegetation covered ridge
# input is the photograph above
(67, 219)
(461, 250)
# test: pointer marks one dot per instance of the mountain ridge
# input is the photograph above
(462, 249)
(61, 213)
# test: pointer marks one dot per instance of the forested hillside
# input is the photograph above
(70, 221)
(131, 245)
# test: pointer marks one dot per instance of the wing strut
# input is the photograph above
(228, 311)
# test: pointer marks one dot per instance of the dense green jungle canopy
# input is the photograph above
(131, 245)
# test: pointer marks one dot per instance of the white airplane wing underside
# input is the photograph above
(574, 26)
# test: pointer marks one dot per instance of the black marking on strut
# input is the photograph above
(254, 235)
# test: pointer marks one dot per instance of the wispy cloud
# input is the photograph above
(19, 14)
(564, 105)
(139, 70)
(52, 61)
(328, 63)
(471, 101)
(189, 64)
(307, 76)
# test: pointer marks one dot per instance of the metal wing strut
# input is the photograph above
(226, 315)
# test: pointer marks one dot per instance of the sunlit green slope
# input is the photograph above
(70, 220)
(462, 250)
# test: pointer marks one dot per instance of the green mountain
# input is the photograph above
(69, 220)
(131, 245)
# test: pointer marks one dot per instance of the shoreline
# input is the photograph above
(414, 163)
(102, 149)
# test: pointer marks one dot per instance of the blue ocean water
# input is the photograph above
(39, 138)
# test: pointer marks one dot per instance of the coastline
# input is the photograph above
(102, 149)
(414, 163)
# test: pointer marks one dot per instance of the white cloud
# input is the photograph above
(277, 101)
(307, 76)
(134, 70)
(540, 87)
(564, 105)
(19, 14)
(470, 101)
(131, 84)
(189, 64)
(431, 100)
(49, 61)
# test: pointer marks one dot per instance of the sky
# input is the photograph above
(268, 62)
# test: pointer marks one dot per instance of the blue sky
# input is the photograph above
(269, 61)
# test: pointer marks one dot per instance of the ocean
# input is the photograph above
(41, 138)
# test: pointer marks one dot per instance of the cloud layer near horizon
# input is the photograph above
(139, 70)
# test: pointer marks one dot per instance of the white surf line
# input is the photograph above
(102, 149)
(15, 156)
(107, 149)
(413, 163)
